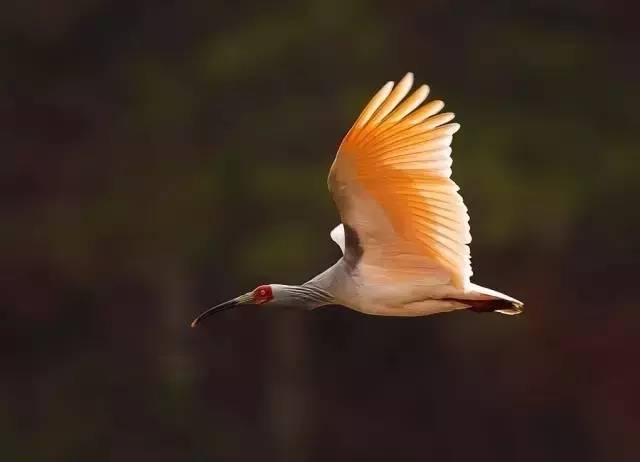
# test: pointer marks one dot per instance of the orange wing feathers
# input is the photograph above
(399, 154)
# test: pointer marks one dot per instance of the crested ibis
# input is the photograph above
(404, 234)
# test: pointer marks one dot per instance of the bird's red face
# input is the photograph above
(262, 294)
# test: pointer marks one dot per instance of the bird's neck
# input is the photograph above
(308, 295)
(335, 281)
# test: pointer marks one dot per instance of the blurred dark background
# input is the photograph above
(160, 157)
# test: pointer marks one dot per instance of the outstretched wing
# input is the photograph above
(391, 183)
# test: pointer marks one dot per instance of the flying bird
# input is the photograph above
(404, 234)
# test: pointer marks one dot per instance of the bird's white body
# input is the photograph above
(369, 290)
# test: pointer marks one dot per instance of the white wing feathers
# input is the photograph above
(337, 234)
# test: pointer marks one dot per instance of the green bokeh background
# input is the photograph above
(160, 157)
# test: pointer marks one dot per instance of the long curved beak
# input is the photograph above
(243, 299)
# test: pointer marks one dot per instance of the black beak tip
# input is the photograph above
(216, 309)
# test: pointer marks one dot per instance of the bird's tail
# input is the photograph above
(498, 305)
(485, 300)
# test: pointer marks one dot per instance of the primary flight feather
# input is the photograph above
(405, 229)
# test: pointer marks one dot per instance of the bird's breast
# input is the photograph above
(401, 298)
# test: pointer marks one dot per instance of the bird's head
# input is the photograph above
(307, 296)
(262, 294)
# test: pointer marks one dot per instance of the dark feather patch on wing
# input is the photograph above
(353, 249)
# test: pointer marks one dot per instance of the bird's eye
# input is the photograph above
(262, 292)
